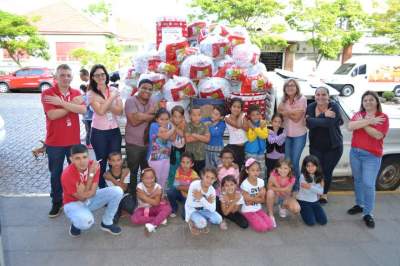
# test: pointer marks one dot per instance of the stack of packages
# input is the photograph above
(203, 64)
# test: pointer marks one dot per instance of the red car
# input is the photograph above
(37, 78)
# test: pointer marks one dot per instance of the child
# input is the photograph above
(184, 176)
(237, 124)
(196, 136)
(159, 149)
(257, 133)
(228, 167)
(117, 175)
(228, 203)
(275, 143)
(178, 141)
(88, 116)
(216, 126)
(253, 191)
(80, 194)
(311, 187)
(200, 204)
(152, 210)
(280, 185)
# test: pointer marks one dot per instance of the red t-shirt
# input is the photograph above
(362, 140)
(64, 131)
(70, 177)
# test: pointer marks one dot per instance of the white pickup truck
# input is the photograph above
(389, 174)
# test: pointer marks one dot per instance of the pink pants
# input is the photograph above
(157, 214)
(259, 221)
(161, 167)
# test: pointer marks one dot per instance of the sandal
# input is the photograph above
(223, 226)
(193, 229)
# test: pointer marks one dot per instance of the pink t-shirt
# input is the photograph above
(295, 129)
(222, 172)
(106, 121)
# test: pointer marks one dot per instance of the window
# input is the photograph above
(35, 72)
(362, 70)
(21, 73)
(344, 69)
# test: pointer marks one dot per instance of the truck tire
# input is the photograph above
(389, 174)
(347, 90)
(396, 91)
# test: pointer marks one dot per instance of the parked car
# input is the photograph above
(32, 78)
(389, 174)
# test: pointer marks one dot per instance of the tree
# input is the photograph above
(331, 25)
(19, 37)
(110, 58)
(254, 15)
(387, 24)
(100, 10)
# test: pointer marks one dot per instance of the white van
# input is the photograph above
(361, 73)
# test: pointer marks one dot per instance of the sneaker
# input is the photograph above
(223, 226)
(355, 209)
(112, 229)
(172, 215)
(282, 212)
(56, 210)
(164, 222)
(273, 221)
(74, 232)
(323, 199)
(369, 221)
(149, 228)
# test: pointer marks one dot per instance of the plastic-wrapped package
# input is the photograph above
(214, 46)
(169, 28)
(219, 29)
(146, 61)
(195, 28)
(159, 80)
(214, 88)
(244, 55)
(178, 89)
(173, 50)
(197, 67)
(252, 99)
(169, 69)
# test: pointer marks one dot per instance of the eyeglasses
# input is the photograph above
(100, 75)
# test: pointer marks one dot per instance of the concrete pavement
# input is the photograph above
(30, 238)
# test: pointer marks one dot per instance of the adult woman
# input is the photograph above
(369, 127)
(323, 120)
(293, 108)
(107, 105)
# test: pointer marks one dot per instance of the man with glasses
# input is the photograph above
(139, 110)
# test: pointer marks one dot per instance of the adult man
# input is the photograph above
(61, 104)
(139, 111)
(81, 196)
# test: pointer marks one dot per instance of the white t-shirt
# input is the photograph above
(141, 186)
(191, 203)
(253, 191)
(127, 180)
(236, 135)
(239, 202)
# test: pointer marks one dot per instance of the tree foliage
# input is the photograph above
(254, 15)
(387, 24)
(330, 25)
(19, 37)
(100, 10)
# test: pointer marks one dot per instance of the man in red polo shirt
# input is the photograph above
(61, 104)
(81, 196)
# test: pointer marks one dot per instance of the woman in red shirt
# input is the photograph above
(369, 127)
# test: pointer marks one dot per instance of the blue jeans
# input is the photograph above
(80, 213)
(105, 142)
(56, 157)
(312, 213)
(200, 218)
(365, 167)
(293, 148)
(174, 196)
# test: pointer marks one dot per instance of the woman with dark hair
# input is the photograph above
(369, 127)
(323, 120)
(293, 107)
(107, 106)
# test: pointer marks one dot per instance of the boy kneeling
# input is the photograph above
(80, 195)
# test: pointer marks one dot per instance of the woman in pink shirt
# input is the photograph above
(293, 108)
(107, 105)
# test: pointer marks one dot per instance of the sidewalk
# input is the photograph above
(30, 238)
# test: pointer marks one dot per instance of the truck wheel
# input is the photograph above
(347, 90)
(4, 87)
(389, 174)
(397, 91)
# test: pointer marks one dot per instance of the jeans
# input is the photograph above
(135, 156)
(365, 167)
(156, 215)
(88, 128)
(200, 218)
(312, 213)
(174, 196)
(80, 213)
(293, 148)
(328, 160)
(105, 142)
(56, 157)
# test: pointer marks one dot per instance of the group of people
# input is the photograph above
(187, 162)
